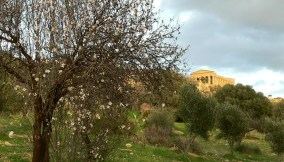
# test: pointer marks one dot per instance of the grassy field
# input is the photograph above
(19, 147)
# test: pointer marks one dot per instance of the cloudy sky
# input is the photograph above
(243, 39)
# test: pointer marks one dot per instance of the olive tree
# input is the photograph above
(275, 136)
(274, 129)
(254, 104)
(197, 111)
(232, 123)
(52, 47)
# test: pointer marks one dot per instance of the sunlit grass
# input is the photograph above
(19, 148)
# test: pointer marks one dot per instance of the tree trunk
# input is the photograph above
(231, 146)
(190, 141)
(41, 134)
(88, 144)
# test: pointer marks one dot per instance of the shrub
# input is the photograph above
(159, 128)
(161, 119)
(247, 149)
(275, 136)
(11, 100)
(182, 145)
(157, 136)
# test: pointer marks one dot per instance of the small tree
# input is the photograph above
(275, 136)
(197, 111)
(232, 123)
(278, 111)
(254, 104)
(53, 47)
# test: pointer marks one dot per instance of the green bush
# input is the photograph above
(182, 145)
(158, 128)
(162, 119)
(157, 136)
(11, 100)
(247, 149)
(275, 136)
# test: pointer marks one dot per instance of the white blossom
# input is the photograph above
(37, 79)
(129, 45)
(16, 87)
(63, 65)
(102, 107)
(94, 27)
(47, 71)
(98, 116)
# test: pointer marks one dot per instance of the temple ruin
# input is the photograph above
(210, 77)
(206, 79)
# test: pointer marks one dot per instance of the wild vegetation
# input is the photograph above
(86, 56)
(74, 73)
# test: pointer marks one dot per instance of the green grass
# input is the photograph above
(19, 148)
(146, 153)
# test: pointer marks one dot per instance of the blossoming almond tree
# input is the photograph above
(50, 45)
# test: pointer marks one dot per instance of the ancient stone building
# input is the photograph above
(211, 78)
(206, 80)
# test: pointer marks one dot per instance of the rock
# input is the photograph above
(178, 132)
(192, 154)
(175, 149)
(128, 145)
(6, 143)
(11, 134)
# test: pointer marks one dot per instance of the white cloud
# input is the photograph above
(239, 39)
(185, 16)
(264, 80)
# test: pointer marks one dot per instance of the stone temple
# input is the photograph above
(210, 77)
(207, 79)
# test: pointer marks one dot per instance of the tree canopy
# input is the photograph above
(196, 110)
(54, 47)
(254, 104)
